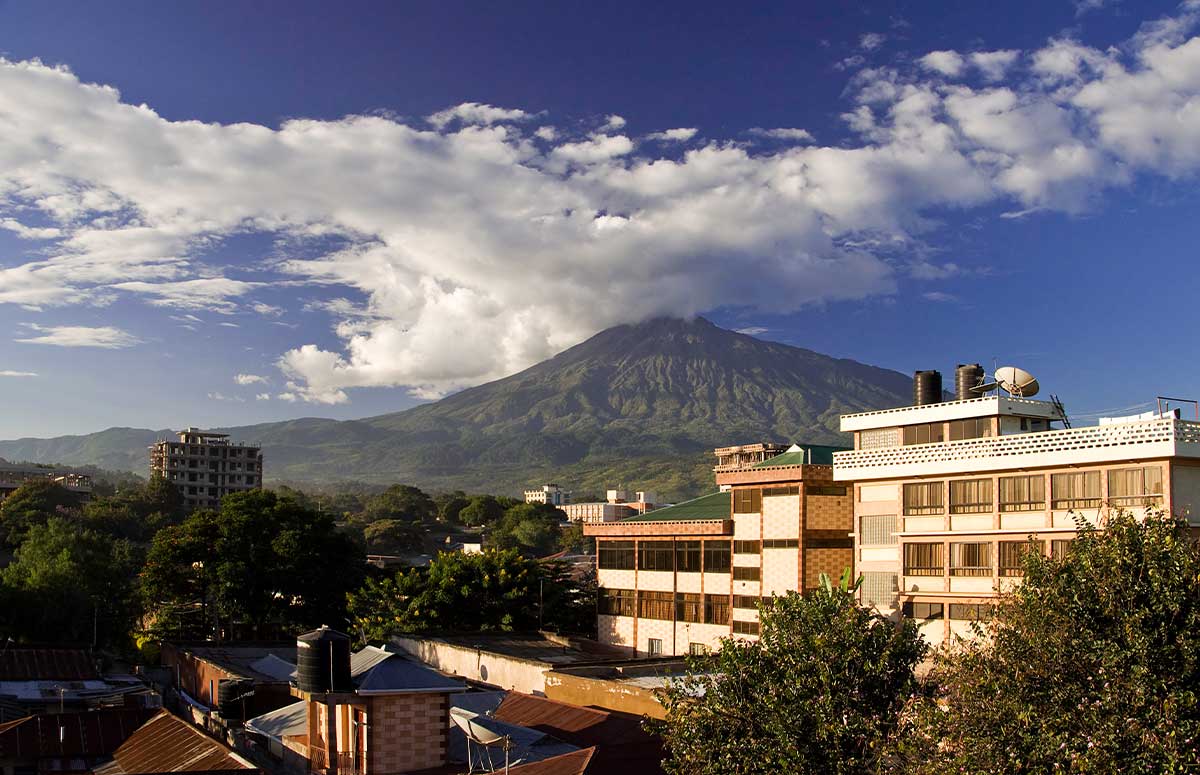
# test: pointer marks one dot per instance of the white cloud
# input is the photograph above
(753, 330)
(11, 373)
(871, 41)
(614, 122)
(106, 337)
(940, 296)
(680, 135)
(475, 113)
(547, 133)
(29, 232)
(1086, 6)
(266, 310)
(470, 250)
(782, 133)
(262, 396)
(949, 63)
(217, 396)
(250, 379)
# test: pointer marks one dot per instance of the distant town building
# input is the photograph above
(207, 466)
(677, 579)
(548, 493)
(619, 505)
(948, 495)
(12, 477)
(742, 456)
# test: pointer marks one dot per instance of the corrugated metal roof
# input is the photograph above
(807, 454)
(89, 734)
(166, 743)
(714, 506)
(18, 664)
(574, 763)
(379, 671)
(240, 660)
(290, 720)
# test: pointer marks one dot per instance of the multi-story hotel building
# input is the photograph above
(948, 495)
(207, 466)
(548, 493)
(678, 579)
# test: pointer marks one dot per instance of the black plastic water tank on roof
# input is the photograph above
(967, 377)
(323, 661)
(927, 387)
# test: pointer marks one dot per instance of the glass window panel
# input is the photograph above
(923, 559)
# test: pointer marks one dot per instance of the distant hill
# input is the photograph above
(639, 405)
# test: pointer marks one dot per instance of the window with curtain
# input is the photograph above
(1023, 493)
(971, 559)
(771, 492)
(971, 496)
(656, 555)
(615, 555)
(716, 556)
(747, 547)
(922, 498)
(716, 609)
(1059, 548)
(746, 601)
(974, 428)
(1012, 554)
(878, 530)
(971, 612)
(687, 556)
(1140, 487)
(688, 607)
(926, 433)
(923, 610)
(1078, 490)
(747, 501)
(747, 574)
(745, 628)
(618, 602)
(923, 560)
(656, 605)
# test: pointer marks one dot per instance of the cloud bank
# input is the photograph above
(471, 243)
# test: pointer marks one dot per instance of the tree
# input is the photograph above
(390, 535)
(34, 503)
(260, 560)
(67, 583)
(401, 502)
(573, 540)
(819, 692)
(482, 510)
(137, 512)
(533, 528)
(1092, 664)
(449, 506)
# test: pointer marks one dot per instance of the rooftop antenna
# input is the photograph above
(1017, 382)
(477, 732)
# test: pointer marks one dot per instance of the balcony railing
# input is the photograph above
(347, 763)
(1134, 440)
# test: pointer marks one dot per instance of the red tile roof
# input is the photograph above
(18, 664)
(622, 746)
(166, 743)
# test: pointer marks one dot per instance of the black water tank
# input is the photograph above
(323, 661)
(927, 387)
(966, 377)
(230, 693)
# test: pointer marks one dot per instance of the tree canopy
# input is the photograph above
(820, 692)
(533, 528)
(34, 503)
(401, 502)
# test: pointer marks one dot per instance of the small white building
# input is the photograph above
(548, 493)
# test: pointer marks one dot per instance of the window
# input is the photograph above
(1075, 491)
(746, 601)
(769, 492)
(656, 555)
(618, 602)
(971, 612)
(747, 501)
(654, 647)
(1059, 548)
(975, 428)
(927, 433)
(781, 543)
(615, 555)
(879, 589)
(716, 556)
(923, 498)
(973, 559)
(1139, 487)
(697, 649)
(1012, 553)
(745, 628)
(878, 530)
(747, 574)
(879, 438)
(655, 605)
(825, 489)
(1022, 493)
(688, 607)
(747, 547)
(687, 556)
(716, 609)
(924, 610)
(923, 560)
(971, 496)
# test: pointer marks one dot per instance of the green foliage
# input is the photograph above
(489, 591)
(1092, 665)
(393, 536)
(32, 504)
(449, 505)
(574, 541)
(482, 510)
(532, 528)
(401, 502)
(137, 512)
(261, 560)
(67, 580)
(820, 692)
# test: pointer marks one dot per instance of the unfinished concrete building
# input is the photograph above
(207, 466)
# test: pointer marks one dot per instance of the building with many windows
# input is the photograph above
(548, 493)
(948, 495)
(207, 466)
(678, 579)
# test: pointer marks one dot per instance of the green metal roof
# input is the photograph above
(705, 508)
(814, 454)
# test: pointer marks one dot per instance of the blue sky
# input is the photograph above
(225, 214)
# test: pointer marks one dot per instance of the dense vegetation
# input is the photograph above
(640, 406)
(1091, 665)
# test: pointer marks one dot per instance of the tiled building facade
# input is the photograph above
(205, 467)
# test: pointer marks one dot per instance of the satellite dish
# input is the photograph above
(1017, 382)
(474, 730)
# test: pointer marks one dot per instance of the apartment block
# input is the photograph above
(677, 579)
(548, 493)
(205, 466)
(947, 495)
